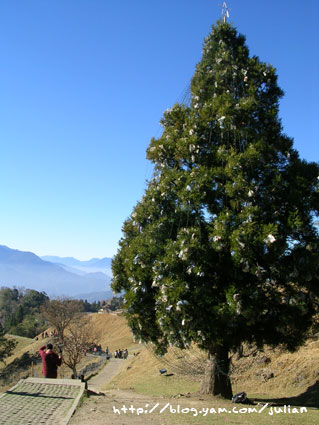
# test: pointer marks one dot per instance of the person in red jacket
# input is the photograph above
(50, 361)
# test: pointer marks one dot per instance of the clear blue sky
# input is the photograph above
(83, 85)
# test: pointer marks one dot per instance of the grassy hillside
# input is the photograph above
(278, 373)
(107, 329)
(110, 330)
(272, 373)
(21, 340)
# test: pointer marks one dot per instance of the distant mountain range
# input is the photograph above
(57, 276)
(95, 265)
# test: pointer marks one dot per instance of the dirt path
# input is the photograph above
(111, 369)
(125, 407)
(106, 407)
(102, 408)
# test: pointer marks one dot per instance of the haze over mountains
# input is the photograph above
(95, 265)
(57, 276)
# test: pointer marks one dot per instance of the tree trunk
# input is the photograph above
(75, 374)
(216, 378)
(240, 352)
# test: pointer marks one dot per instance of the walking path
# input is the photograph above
(37, 401)
(111, 368)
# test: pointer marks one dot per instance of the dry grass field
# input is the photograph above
(273, 376)
(272, 373)
(110, 330)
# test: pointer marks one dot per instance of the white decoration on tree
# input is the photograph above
(270, 239)
(241, 244)
(221, 121)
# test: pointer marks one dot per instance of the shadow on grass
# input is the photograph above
(309, 398)
(12, 372)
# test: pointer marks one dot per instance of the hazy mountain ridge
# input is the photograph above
(19, 268)
(94, 296)
(94, 265)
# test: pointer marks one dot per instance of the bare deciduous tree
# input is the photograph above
(75, 343)
(61, 313)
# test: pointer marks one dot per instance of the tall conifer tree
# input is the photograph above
(222, 249)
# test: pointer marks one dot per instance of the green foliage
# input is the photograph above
(222, 248)
(90, 307)
(116, 303)
(113, 304)
(20, 311)
(6, 345)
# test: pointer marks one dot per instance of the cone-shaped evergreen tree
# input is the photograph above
(222, 248)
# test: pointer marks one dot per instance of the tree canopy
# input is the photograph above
(20, 311)
(61, 313)
(222, 248)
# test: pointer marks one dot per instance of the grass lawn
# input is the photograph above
(142, 375)
(22, 341)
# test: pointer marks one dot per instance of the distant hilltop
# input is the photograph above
(57, 276)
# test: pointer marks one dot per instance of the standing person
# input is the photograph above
(50, 361)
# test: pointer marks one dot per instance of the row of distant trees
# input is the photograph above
(20, 310)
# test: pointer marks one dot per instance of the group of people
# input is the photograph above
(97, 349)
(45, 335)
(121, 354)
